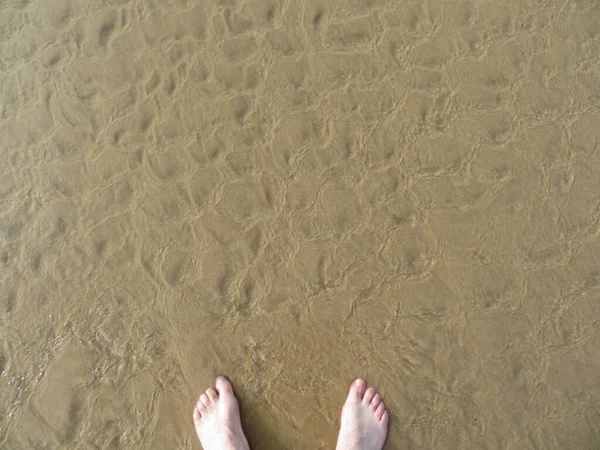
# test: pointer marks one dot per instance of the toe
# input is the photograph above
(200, 406)
(223, 385)
(379, 411)
(197, 415)
(205, 400)
(358, 387)
(384, 418)
(369, 394)
(375, 401)
(212, 394)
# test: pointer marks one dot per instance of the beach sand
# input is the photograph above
(293, 194)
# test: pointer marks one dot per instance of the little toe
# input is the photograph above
(200, 406)
(369, 394)
(196, 415)
(212, 394)
(223, 384)
(375, 401)
(358, 387)
(384, 418)
(380, 410)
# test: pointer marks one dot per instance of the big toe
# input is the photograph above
(358, 388)
(223, 385)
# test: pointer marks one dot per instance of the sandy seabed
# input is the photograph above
(295, 193)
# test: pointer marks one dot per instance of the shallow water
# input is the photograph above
(295, 194)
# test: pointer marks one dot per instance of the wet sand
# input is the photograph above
(295, 194)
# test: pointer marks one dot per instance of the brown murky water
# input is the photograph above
(294, 193)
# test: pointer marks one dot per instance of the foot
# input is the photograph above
(217, 419)
(364, 419)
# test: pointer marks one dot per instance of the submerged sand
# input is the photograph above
(295, 193)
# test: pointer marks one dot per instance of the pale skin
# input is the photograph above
(364, 421)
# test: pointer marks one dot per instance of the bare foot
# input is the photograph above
(217, 419)
(364, 419)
